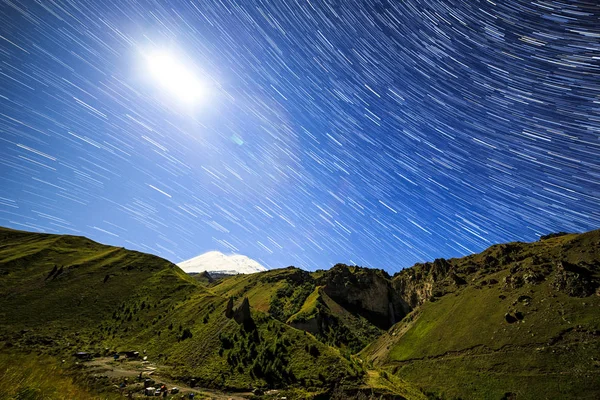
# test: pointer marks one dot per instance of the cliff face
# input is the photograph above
(571, 260)
(383, 301)
(366, 292)
(425, 281)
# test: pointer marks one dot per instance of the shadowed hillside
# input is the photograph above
(346, 307)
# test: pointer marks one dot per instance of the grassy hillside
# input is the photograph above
(31, 378)
(63, 294)
(523, 319)
(300, 299)
(332, 323)
(53, 283)
(279, 292)
(519, 319)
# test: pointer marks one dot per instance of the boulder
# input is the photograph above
(510, 318)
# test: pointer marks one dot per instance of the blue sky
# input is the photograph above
(373, 133)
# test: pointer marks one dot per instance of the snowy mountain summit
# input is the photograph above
(215, 262)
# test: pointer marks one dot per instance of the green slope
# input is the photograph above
(333, 324)
(62, 294)
(526, 320)
(91, 282)
(519, 319)
(301, 299)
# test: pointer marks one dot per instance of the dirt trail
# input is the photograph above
(130, 370)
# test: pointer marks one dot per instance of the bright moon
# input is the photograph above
(174, 76)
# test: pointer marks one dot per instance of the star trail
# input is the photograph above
(377, 133)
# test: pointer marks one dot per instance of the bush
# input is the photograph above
(186, 334)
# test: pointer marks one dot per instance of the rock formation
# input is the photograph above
(242, 314)
(229, 308)
(367, 292)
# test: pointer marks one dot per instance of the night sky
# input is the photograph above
(296, 132)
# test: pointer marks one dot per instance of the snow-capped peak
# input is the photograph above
(217, 262)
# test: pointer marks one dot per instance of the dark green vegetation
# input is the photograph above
(519, 319)
(345, 307)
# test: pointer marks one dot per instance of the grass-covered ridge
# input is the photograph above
(305, 300)
(520, 318)
(63, 294)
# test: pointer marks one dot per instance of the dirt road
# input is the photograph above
(119, 370)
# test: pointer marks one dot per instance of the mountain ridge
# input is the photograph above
(518, 319)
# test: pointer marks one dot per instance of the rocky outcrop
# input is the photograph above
(422, 282)
(513, 281)
(242, 313)
(574, 280)
(229, 308)
(206, 276)
(366, 292)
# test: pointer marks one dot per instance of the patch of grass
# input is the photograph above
(309, 308)
(26, 377)
(384, 381)
(544, 374)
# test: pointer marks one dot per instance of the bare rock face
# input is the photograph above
(367, 292)
(574, 280)
(418, 284)
(415, 291)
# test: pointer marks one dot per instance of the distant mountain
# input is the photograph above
(218, 263)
